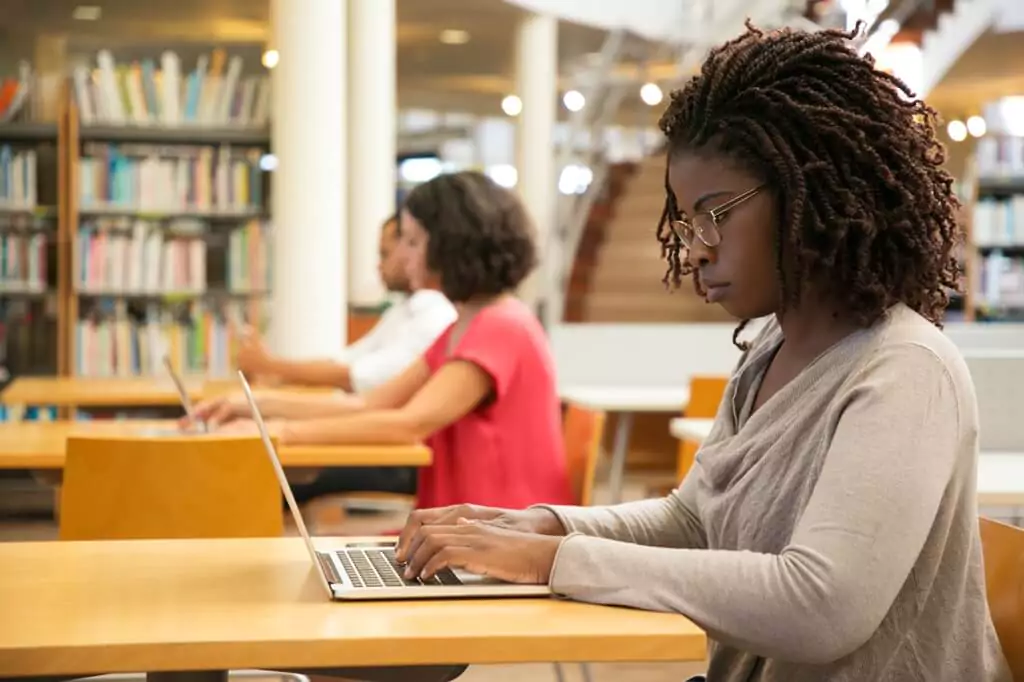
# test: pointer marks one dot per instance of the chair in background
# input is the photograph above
(582, 429)
(705, 396)
(1003, 549)
(131, 488)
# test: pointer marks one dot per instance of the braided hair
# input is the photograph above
(867, 215)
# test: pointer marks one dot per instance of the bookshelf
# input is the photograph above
(995, 258)
(138, 222)
(170, 247)
(30, 277)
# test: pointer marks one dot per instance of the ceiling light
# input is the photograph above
(511, 105)
(651, 94)
(87, 13)
(271, 58)
(976, 126)
(454, 36)
(574, 100)
(957, 131)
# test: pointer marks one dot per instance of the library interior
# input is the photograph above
(499, 340)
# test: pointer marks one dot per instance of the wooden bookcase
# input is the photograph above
(218, 226)
(59, 205)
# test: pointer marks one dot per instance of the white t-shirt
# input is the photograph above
(404, 332)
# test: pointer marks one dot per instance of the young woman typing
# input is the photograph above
(483, 396)
(828, 529)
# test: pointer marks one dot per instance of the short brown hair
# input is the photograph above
(481, 238)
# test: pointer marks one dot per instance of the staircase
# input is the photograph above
(626, 270)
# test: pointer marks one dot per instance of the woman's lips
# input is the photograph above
(715, 292)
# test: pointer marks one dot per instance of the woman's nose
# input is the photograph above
(700, 254)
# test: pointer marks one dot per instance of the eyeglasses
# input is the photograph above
(704, 225)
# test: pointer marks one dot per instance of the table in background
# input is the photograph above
(98, 392)
(626, 401)
(42, 445)
(155, 391)
(1000, 474)
(212, 605)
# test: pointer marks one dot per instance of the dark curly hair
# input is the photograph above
(866, 212)
(481, 238)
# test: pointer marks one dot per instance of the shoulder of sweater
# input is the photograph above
(903, 329)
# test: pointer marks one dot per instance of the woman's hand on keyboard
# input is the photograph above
(535, 520)
(484, 548)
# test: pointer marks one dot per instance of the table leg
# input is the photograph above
(620, 448)
(191, 676)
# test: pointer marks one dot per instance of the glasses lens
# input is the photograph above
(705, 228)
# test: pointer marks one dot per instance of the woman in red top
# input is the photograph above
(483, 397)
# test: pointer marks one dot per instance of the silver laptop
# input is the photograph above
(367, 571)
(186, 402)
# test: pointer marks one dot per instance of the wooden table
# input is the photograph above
(626, 401)
(1000, 474)
(194, 605)
(98, 392)
(42, 445)
(157, 391)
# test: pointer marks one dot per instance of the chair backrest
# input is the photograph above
(133, 488)
(582, 429)
(1003, 548)
(705, 396)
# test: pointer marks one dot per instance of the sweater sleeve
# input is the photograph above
(887, 468)
(665, 522)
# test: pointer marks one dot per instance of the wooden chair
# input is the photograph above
(705, 396)
(1003, 549)
(142, 488)
(131, 488)
(582, 429)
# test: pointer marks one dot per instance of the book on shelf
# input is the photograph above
(1000, 156)
(218, 92)
(999, 222)
(23, 262)
(28, 336)
(134, 257)
(1001, 280)
(15, 94)
(119, 339)
(171, 179)
(17, 178)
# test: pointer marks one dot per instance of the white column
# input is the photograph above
(372, 129)
(308, 314)
(537, 87)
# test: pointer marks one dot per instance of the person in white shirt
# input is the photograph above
(403, 333)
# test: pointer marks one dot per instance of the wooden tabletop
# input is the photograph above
(627, 398)
(42, 445)
(156, 391)
(96, 607)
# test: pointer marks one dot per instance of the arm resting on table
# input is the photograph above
(450, 394)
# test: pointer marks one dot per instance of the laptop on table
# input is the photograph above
(360, 570)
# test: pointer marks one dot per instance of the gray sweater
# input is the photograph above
(830, 535)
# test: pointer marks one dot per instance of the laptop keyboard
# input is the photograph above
(379, 568)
